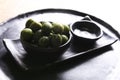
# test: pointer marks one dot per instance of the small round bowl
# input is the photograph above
(45, 53)
(86, 31)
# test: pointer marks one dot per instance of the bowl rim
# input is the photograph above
(95, 38)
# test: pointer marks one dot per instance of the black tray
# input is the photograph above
(15, 25)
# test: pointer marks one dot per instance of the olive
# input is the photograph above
(46, 27)
(28, 23)
(57, 28)
(35, 26)
(64, 39)
(66, 29)
(43, 41)
(56, 40)
(26, 34)
(37, 35)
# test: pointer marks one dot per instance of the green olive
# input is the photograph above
(56, 40)
(26, 34)
(43, 41)
(64, 39)
(28, 23)
(35, 26)
(46, 27)
(57, 28)
(66, 29)
(38, 34)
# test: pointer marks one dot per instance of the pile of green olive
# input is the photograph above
(45, 33)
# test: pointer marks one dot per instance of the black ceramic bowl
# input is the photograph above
(46, 53)
(86, 31)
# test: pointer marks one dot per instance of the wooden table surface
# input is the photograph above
(107, 10)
